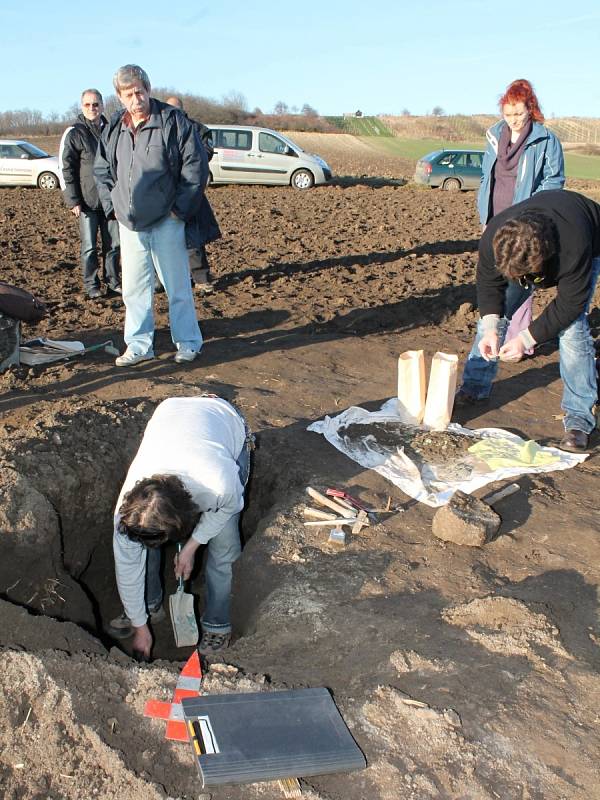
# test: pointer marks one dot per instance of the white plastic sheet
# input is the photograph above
(398, 468)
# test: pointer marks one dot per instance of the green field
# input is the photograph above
(576, 166)
(360, 126)
(586, 167)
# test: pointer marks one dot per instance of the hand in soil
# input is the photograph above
(142, 643)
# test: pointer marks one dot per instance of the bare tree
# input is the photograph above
(280, 108)
(438, 111)
(309, 111)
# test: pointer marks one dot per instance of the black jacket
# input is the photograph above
(166, 172)
(204, 228)
(205, 135)
(577, 221)
(76, 158)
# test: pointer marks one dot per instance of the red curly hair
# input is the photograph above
(521, 91)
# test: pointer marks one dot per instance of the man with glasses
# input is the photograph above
(76, 158)
(550, 240)
(184, 486)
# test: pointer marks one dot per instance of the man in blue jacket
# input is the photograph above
(151, 170)
(76, 157)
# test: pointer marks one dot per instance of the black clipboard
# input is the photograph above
(261, 736)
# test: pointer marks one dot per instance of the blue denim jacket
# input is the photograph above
(541, 166)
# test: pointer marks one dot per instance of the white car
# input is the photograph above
(24, 164)
(248, 154)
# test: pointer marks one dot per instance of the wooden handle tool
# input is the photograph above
(490, 499)
(325, 501)
(315, 513)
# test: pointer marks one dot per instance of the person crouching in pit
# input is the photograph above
(185, 485)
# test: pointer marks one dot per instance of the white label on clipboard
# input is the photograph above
(208, 735)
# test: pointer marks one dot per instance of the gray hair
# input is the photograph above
(92, 91)
(128, 75)
(175, 101)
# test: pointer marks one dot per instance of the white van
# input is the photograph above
(247, 154)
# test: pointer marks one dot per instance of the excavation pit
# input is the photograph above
(60, 480)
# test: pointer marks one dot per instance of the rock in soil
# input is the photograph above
(465, 520)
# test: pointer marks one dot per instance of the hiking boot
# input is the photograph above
(462, 399)
(121, 628)
(129, 358)
(213, 643)
(574, 441)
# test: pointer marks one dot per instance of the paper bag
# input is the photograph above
(411, 386)
(441, 391)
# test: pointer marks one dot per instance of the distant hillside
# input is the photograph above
(458, 127)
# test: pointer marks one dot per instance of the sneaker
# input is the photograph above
(185, 354)
(129, 358)
(121, 628)
(157, 614)
(213, 642)
(115, 289)
(94, 294)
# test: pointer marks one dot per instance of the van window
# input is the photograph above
(233, 140)
(10, 151)
(267, 143)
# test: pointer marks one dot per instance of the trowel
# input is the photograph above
(183, 618)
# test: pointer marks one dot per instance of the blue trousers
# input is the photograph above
(161, 247)
(222, 551)
(576, 354)
(90, 222)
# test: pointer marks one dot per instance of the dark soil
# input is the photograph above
(462, 672)
(421, 446)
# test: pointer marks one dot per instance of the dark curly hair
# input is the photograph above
(523, 244)
(157, 510)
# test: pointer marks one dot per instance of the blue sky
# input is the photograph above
(336, 55)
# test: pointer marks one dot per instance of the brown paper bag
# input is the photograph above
(411, 386)
(441, 391)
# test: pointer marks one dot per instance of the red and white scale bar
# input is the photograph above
(188, 685)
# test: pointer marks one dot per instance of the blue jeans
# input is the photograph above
(576, 354)
(162, 247)
(222, 550)
(90, 222)
(478, 373)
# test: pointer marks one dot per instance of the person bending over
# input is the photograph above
(185, 485)
(550, 240)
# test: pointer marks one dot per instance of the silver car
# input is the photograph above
(24, 164)
(248, 154)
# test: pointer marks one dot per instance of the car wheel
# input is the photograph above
(47, 180)
(302, 179)
(451, 185)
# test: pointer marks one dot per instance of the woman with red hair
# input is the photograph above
(522, 158)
